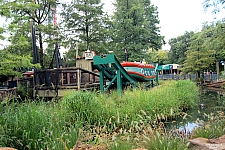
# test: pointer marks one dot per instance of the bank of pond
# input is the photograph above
(137, 119)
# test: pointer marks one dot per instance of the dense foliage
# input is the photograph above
(20, 15)
(133, 28)
(82, 21)
(135, 25)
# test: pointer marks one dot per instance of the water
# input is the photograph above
(210, 101)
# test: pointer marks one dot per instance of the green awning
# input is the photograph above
(159, 68)
(166, 67)
(169, 67)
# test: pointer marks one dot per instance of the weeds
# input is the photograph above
(214, 125)
(131, 121)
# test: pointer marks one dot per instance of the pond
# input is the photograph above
(210, 101)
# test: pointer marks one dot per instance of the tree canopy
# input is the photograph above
(199, 58)
(20, 15)
(216, 5)
(12, 66)
(135, 25)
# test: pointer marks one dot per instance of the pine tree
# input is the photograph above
(135, 28)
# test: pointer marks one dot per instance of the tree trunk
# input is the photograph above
(41, 51)
(217, 69)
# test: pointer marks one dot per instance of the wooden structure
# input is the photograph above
(8, 94)
(218, 84)
(58, 82)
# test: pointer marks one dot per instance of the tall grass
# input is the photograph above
(213, 127)
(83, 107)
(35, 125)
(42, 125)
(163, 102)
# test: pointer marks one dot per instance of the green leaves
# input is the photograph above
(179, 46)
(1, 31)
(199, 58)
(135, 28)
(10, 65)
(83, 20)
(217, 5)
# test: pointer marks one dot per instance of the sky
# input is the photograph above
(178, 16)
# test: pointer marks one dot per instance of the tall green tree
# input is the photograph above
(215, 40)
(20, 15)
(136, 28)
(84, 21)
(179, 46)
(157, 56)
(199, 58)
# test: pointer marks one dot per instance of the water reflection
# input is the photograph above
(210, 101)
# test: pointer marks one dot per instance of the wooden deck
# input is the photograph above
(218, 84)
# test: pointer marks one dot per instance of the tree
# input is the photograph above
(135, 28)
(157, 56)
(84, 21)
(179, 46)
(216, 4)
(215, 37)
(199, 58)
(20, 14)
(13, 65)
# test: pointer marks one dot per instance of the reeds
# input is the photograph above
(133, 120)
(214, 125)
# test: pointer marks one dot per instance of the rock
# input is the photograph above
(80, 146)
(7, 148)
(208, 144)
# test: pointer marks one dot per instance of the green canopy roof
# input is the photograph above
(166, 67)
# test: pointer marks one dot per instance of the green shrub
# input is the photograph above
(83, 107)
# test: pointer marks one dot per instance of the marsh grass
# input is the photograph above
(213, 126)
(120, 122)
(33, 125)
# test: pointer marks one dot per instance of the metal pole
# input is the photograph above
(126, 54)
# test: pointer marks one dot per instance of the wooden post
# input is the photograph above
(62, 79)
(78, 79)
(68, 77)
(76, 53)
(217, 70)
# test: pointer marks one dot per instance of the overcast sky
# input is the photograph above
(178, 16)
